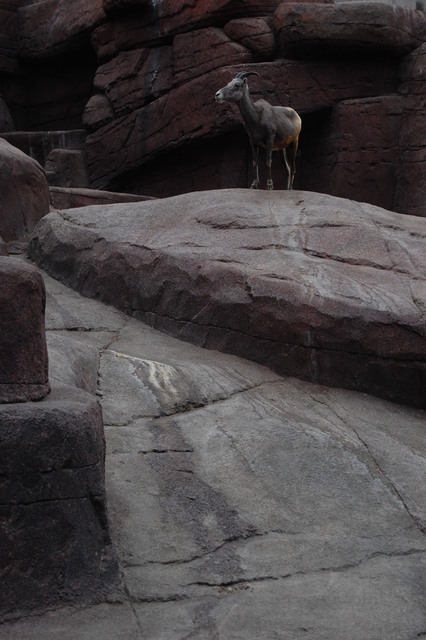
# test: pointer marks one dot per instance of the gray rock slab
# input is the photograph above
(243, 505)
(349, 605)
(322, 288)
(115, 621)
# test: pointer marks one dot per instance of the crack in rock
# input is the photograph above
(376, 463)
(345, 567)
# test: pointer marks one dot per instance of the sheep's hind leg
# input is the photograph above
(293, 162)
(256, 181)
(288, 170)
(269, 183)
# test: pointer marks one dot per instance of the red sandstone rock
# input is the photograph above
(306, 29)
(201, 51)
(133, 77)
(60, 25)
(23, 353)
(24, 192)
(411, 173)
(55, 545)
(167, 18)
(189, 113)
(254, 34)
(313, 286)
(357, 154)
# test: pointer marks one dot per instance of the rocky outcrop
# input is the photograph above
(24, 192)
(61, 25)
(189, 112)
(232, 490)
(319, 29)
(23, 352)
(140, 76)
(338, 160)
(154, 100)
(55, 545)
(317, 287)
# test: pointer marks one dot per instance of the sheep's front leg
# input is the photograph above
(256, 181)
(269, 183)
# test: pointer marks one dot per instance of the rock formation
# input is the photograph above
(24, 192)
(55, 545)
(118, 94)
(232, 490)
(139, 78)
(310, 285)
(23, 352)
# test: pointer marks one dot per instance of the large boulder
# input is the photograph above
(61, 25)
(155, 21)
(23, 352)
(313, 286)
(55, 544)
(306, 28)
(24, 192)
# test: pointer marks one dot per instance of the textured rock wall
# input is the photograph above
(23, 351)
(54, 543)
(141, 77)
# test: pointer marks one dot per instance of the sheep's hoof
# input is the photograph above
(270, 185)
(254, 185)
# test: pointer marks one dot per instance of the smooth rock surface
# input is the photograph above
(243, 505)
(24, 192)
(321, 288)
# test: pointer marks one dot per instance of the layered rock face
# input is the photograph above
(310, 285)
(55, 544)
(140, 77)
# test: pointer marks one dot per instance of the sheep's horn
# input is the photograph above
(244, 74)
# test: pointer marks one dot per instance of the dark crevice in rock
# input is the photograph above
(84, 496)
(346, 567)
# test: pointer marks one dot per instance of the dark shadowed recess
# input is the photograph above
(225, 162)
(51, 94)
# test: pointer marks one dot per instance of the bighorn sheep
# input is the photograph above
(273, 128)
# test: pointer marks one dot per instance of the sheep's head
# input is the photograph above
(233, 92)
